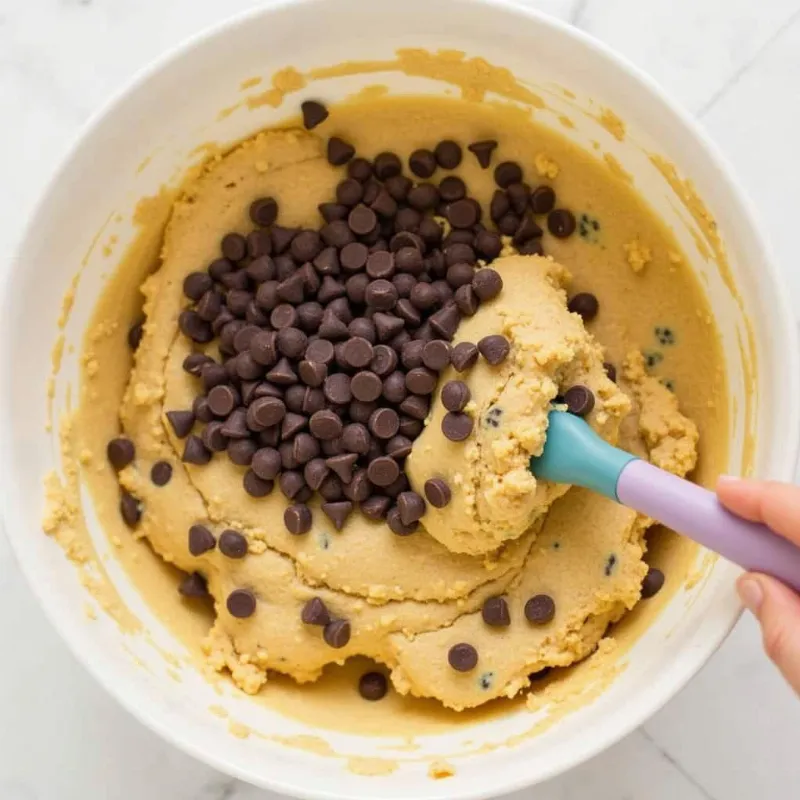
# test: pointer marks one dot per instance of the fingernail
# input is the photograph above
(728, 479)
(751, 594)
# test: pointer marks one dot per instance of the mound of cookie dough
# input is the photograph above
(337, 386)
(494, 495)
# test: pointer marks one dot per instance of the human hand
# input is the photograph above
(775, 606)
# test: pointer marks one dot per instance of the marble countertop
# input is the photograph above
(732, 733)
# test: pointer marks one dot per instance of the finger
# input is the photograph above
(777, 505)
(777, 609)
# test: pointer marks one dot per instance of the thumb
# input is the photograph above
(777, 609)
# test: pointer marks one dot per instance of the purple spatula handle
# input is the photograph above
(697, 513)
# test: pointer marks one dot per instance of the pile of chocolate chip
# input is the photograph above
(332, 339)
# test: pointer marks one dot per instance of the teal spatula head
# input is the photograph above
(575, 454)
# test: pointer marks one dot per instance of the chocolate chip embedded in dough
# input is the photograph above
(181, 422)
(264, 211)
(455, 395)
(457, 426)
(494, 349)
(561, 223)
(448, 154)
(437, 492)
(495, 612)
(483, 151)
(121, 452)
(135, 334)
(579, 400)
(161, 473)
(194, 585)
(337, 633)
(506, 173)
(339, 151)
(372, 686)
(585, 305)
(338, 512)
(462, 657)
(201, 540)
(543, 199)
(297, 519)
(241, 603)
(652, 583)
(314, 113)
(396, 524)
(540, 609)
(232, 544)
(315, 612)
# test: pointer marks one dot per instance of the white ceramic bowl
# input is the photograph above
(172, 108)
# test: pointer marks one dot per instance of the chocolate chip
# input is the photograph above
(437, 492)
(337, 388)
(161, 473)
(652, 583)
(232, 544)
(384, 360)
(297, 519)
(422, 163)
(214, 438)
(315, 612)
(241, 451)
(194, 327)
(241, 603)
(339, 151)
(135, 334)
(462, 657)
(457, 426)
(579, 400)
(411, 507)
(494, 349)
(423, 197)
(222, 400)
(196, 284)
(120, 452)
(506, 173)
(561, 223)
(495, 612)
(375, 507)
(362, 220)
(359, 488)
(338, 512)
(292, 424)
(342, 465)
(355, 438)
(396, 524)
(466, 300)
(264, 211)
(381, 295)
(314, 113)
(463, 213)
(233, 246)
(421, 380)
(325, 425)
(255, 486)
(372, 686)
(543, 199)
(464, 356)
(182, 422)
(201, 410)
(201, 540)
(540, 609)
(455, 395)
(584, 304)
(398, 447)
(410, 427)
(130, 508)
(360, 169)
(611, 371)
(195, 452)
(366, 386)
(304, 448)
(483, 151)
(448, 154)
(436, 355)
(194, 585)
(383, 471)
(360, 411)
(445, 321)
(415, 407)
(337, 632)
(487, 284)
(526, 230)
(519, 195)
(383, 424)
(264, 412)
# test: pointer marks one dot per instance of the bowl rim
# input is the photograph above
(661, 691)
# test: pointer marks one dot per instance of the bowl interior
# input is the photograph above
(171, 111)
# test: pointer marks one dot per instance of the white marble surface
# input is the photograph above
(731, 735)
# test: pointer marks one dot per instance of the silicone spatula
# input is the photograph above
(575, 454)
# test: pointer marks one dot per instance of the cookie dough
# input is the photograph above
(495, 496)
(410, 599)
